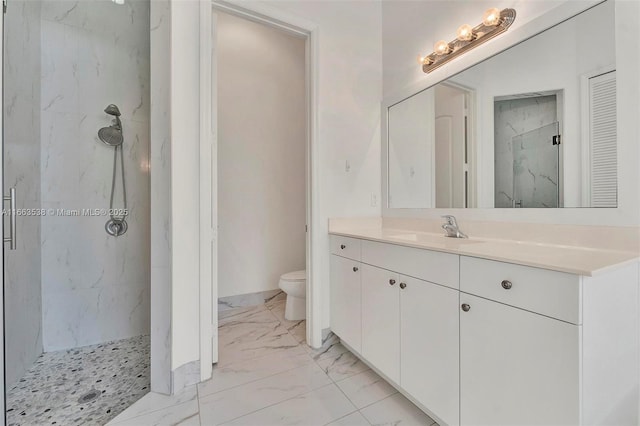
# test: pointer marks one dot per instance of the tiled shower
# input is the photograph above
(68, 284)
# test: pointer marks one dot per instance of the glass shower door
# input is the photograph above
(536, 167)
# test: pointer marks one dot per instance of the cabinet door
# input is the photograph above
(345, 301)
(381, 320)
(429, 330)
(517, 367)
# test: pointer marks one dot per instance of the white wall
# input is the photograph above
(22, 289)
(184, 142)
(95, 287)
(261, 155)
(411, 28)
(349, 87)
(160, 157)
(349, 92)
(411, 153)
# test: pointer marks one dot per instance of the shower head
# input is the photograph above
(111, 135)
(111, 109)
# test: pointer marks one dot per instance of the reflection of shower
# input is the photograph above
(112, 136)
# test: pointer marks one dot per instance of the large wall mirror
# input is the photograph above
(531, 127)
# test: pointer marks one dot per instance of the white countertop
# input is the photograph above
(570, 259)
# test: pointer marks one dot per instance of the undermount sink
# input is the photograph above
(433, 238)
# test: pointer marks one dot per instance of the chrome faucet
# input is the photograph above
(451, 226)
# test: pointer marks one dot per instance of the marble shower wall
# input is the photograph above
(23, 306)
(515, 117)
(95, 287)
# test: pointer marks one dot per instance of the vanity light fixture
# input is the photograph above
(494, 22)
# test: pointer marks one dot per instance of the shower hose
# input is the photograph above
(117, 225)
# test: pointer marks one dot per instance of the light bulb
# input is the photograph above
(465, 32)
(424, 60)
(491, 17)
(441, 47)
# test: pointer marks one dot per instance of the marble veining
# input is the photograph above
(95, 288)
(82, 386)
(250, 299)
(267, 375)
(514, 118)
(21, 145)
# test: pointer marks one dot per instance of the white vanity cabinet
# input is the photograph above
(475, 341)
(410, 334)
(345, 304)
(381, 320)
(429, 348)
(510, 358)
(519, 342)
(547, 348)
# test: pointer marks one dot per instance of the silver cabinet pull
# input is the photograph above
(403, 286)
(355, 269)
(466, 307)
(11, 239)
(342, 246)
(392, 281)
(506, 284)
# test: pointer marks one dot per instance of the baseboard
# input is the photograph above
(249, 299)
(185, 375)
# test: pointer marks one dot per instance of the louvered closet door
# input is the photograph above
(603, 138)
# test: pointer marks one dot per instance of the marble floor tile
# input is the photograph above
(396, 410)
(253, 333)
(224, 406)
(298, 329)
(252, 299)
(365, 388)
(331, 347)
(184, 414)
(353, 419)
(240, 373)
(249, 314)
(155, 401)
(87, 385)
(258, 383)
(318, 407)
(342, 366)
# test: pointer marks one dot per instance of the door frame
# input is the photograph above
(208, 169)
(2, 358)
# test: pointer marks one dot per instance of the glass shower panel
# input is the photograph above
(536, 167)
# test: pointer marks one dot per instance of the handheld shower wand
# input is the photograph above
(112, 136)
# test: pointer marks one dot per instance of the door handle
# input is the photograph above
(11, 239)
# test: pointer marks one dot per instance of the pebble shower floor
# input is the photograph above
(82, 386)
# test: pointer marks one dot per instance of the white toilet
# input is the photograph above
(295, 285)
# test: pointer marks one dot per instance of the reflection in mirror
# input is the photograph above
(526, 151)
(532, 127)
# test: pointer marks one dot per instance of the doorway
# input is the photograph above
(263, 168)
(453, 173)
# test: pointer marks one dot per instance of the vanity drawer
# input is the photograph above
(433, 266)
(345, 247)
(550, 293)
